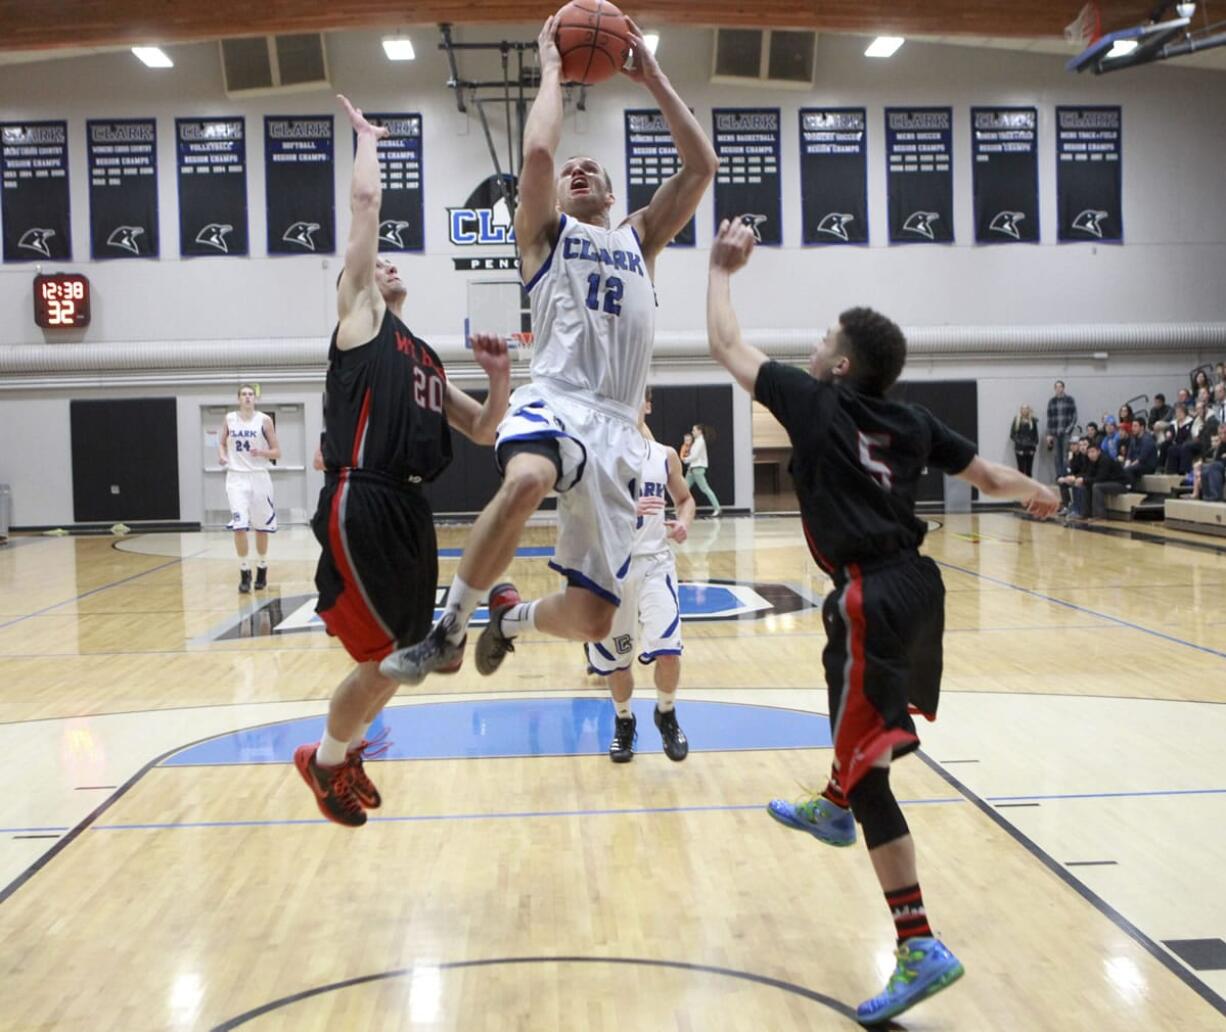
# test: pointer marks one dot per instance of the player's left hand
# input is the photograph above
(643, 66)
(490, 352)
(676, 530)
(1043, 503)
(733, 245)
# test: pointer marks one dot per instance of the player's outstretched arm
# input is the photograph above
(1008, 484)
(731, 250)
(536, 205)
(365, 195)
(477, 422)
(677, 197)
(679, 492)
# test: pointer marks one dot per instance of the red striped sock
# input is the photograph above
(834, 791)
(907, 909)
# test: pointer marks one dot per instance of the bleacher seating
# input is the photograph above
(1196, 516)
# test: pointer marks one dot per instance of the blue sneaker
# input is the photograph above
(925, 966)
(819, 817)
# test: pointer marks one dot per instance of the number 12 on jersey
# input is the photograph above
(613, 288)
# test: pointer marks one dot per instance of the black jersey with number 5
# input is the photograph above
(856, 461)
(383, 407)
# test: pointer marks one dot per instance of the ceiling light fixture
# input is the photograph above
(399, 48)
(884, 46)
(153, 57)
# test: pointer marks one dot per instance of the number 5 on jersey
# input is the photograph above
(872, 463)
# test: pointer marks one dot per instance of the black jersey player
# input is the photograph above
(857, 458)
(388, 411)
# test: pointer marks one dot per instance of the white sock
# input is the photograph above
(356, 740)
(461, 601)
(243, 565)
(665, 701)
(518, 619)
(623, 708)
(262, 564)
(331, 751)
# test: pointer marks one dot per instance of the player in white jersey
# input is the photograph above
(650, 614)
(573, 429)
(247, 443)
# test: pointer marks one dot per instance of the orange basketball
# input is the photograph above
(593, 39)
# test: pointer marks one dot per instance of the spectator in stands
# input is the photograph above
(1025, 437)
(1200, 379)
(1179, 450)
(1209, 474)
(1217, 410)
(1219, 372)
(1061, 418)
(1184, 397)
(1102, 476)
(1091, 433)
(1204, 426)
(1076, 467)
(1142, 454)
(1125, 417)
(1110, 442)
(1160, 411)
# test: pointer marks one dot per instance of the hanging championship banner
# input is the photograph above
(747, 184)
(1088, 191)
(402, 220)
(651, 158)
(212, 162)
(298, 184)
(1005, 170)
(34, 194)
(833, 175)
(920, 182)
(123, 187)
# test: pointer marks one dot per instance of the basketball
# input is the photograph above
(593, 39)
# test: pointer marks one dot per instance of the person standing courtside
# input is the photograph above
(857, 459)
(388, 410)
(574, 427)
(1024, 433)
(1061, 418)
(699, 461)
(246, 447)
(649, 617)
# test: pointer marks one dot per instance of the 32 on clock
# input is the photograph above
(61, 300)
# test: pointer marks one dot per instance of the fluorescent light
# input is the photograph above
(652, 39)
(1122, 46)
(884, 46)
(153, 57)
(399, 48)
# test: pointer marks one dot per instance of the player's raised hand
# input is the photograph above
(733, 245)
(490, 352)
(358, 120)
(643, 66)
(547, 45)
(676, 530)
(1043, 503)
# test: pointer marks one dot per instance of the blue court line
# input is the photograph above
(1083, 609)
(104, 587)
(1109, 795)
(525, 815)
(524, 552)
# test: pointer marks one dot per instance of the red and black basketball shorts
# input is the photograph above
(378, 574)
(884, 626)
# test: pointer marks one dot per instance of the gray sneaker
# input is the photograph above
(493, 646)
(434, 654)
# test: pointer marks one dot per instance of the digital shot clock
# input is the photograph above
(61, 300)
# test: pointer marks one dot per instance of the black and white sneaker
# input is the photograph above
(493, 645)
(676, 745)
(261, 578)
(244, 582)
(621, 749)
(434, 654)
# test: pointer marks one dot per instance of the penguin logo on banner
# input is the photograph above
(835, 223)
(124, 237)
(300, 233)
(1090, 221)
(1006, 222)
(35, 239)
(753, 222)
(921, 222)
(390, 230)
(214, 235)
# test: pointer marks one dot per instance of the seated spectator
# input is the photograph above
(1102, 476)
(1076, 468)
(1209, 474)
(1201, 381)
(1110, 442)
(1179, 451)
(1219, 372)
(1217, 408)
(1091, 433)
(1184, 397)
(1160, 411)
(1124, 416)
(1142, 454)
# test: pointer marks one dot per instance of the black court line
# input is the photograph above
(34, 836)
(93, 788)
(745, 976)
(1096, 901)
(1003, 806)
(1091, 863)
(959, 761)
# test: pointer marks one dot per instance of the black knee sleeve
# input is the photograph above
(876, 809)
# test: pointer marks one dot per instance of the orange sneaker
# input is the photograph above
(363, 787)
(333, 788)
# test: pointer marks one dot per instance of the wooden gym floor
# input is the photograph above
(162, 866)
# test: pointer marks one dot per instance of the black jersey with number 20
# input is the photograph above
(383, 408)
(856, 461)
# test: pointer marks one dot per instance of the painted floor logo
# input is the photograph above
(700, 600)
